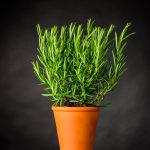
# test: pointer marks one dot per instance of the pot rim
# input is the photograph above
(74, 109)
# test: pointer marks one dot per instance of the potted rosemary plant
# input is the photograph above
(79, 66)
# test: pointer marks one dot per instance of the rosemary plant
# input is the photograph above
(78, 65)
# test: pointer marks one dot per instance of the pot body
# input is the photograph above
(76, 127)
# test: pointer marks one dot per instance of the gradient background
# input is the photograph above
(26, 121)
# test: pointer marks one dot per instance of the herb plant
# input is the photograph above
(78, 65)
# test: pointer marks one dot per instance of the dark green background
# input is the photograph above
(26, 121)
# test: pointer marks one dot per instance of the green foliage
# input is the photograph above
(79, 66)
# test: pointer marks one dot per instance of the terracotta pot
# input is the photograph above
(76, 127)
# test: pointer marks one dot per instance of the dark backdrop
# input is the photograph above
(26, 121)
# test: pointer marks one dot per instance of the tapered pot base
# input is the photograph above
(76, 127)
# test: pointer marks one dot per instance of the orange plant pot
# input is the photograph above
(76, 127)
